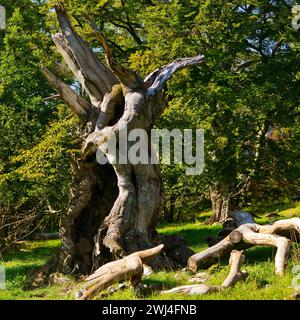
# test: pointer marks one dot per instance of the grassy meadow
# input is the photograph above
(262, 283)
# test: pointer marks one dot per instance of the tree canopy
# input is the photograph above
(245, 97)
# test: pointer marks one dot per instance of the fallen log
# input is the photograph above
(250, 234)
(235, 261)
(193, 289)
(236, 219)
(129, 268)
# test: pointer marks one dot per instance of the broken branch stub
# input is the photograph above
(77, 104)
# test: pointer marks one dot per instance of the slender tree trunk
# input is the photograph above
(170, 209)
(114, 208)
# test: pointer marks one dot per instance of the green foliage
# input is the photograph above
(45, 168)
(245, 97)
(37, 135)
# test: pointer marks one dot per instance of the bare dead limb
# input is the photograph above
(247, 235)
(128, 268)
(156, 80)
(127, 77)
(93, 75)
(77, 104)
(193, 289)
(283, 245)
(210, 256)
(235, 261)
(282, 227)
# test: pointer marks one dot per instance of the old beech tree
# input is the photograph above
(113, 208)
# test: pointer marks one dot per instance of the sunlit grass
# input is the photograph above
(262, 283)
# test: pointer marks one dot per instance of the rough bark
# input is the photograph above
(114, 208)
(250, 234)
(222, 203)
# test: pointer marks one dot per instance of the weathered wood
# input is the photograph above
(282, 226)
(192, 289)
(235, 236)
(235, 261)
(210, 256)
(77, 104)
(156, 80)
(93, 75)
(250, 234)
(128, 268)
(113, 208)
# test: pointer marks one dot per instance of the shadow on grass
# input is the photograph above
(38, 253)
(262, 208)
(22, 263)
(259, 254)
(20, 271)
(195, 237)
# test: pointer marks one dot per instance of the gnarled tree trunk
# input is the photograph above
(222, 203)
(114, 208)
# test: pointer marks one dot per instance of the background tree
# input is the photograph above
(247, 93)
(36, 130)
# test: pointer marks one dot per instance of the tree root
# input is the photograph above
(250, 234)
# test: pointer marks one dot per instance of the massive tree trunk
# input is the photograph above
(113, 208)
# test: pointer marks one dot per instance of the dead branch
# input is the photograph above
(247, 235)
(128, 268)
(156, 80)
(77, 104)
(236, 260)
(192, 289)
(127, 77)
(93, 75)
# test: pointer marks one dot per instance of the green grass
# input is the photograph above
(262, 283)
(285, 209)
(19, 264)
